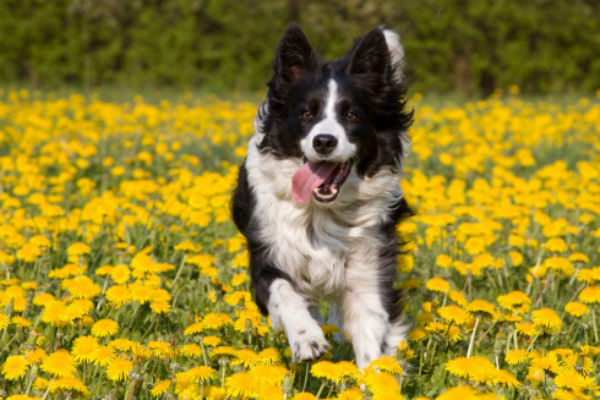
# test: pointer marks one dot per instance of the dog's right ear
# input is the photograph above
(295, 56)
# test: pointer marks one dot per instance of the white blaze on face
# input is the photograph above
(331, 126)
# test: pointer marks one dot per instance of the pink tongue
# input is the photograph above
(308, 177)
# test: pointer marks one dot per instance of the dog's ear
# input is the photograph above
(370, 56)
(295, 56)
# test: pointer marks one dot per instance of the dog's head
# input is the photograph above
(340, 117)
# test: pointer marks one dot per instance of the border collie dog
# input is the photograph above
(318, 196)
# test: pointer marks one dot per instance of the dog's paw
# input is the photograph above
(308, 344)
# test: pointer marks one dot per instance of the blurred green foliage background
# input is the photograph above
(467, 46)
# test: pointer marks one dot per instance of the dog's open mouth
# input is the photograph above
(322, 180)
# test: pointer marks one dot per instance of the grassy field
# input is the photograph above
(123, 277)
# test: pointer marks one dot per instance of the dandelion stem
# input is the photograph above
(594, 325)
(179, 270)
(305, 377)
(319, 391)
(469, 351)
(537, 265)
(533, 341)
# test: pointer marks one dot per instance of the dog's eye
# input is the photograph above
(351, 116)
(306, 115)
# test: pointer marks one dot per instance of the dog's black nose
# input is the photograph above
(324, 144)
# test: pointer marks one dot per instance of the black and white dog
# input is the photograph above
(318, 195)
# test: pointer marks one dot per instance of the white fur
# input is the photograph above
(288, 310)
(329, 125)
(396, 50)
(338, 260)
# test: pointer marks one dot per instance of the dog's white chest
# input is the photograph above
(304, 241)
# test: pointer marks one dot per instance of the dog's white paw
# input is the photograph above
(308, 343)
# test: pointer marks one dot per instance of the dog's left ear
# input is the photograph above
(370, 56)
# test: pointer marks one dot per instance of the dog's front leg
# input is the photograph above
(290, 310)
(366, 321)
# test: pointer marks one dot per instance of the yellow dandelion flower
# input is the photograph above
(118, 295)
(104, 270)
(516, 356)
(187, 245)
(17, 320)
(516, 258)
(381, 383)
(246, 357)
(556, 245)
(459, 393)
(454, 314)
(190, 350)
(36, 356)
(514, 300)
(475, 368)
(590, 295)
(443, 261)
(66, 271)
(118, 369)
(223, 351)
(571, 379)
(160, 387)
(588, 350)
(120, 274)
(241, 384)
(387, 364)
(325, 369)
(197, 374)
(60, 363)
(239, 279)
(270, 374)
(140, 292)
(579, 257)
(577, 309)
(546, 319)
(211, 341)
(68, 383)
(352, 393)
(437, 285)
(307, 396)
(458, 298)
(15, 367)
(56, 313)
(481, 308)
(269, 355)
(417, 334)
(78, 249)
(560, 264)
(81, 287)
(41, 383)
(196, 327)
(475, 245)
(161, 349)
(4, 320)
(42, 299)
(216, 320)
(139, 350)
(122, 344)
(453, 334)
(104, 355)
(105, 327)
(78, 308)
(84, 348)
